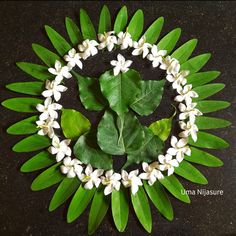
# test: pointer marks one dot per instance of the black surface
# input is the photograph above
(23, 212)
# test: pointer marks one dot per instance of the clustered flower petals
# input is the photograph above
(141, 47)
(121, 65)
(108, 40)
(88, 48)
(112, 181)
(71, 167)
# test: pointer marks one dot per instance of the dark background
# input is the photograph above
(23, 212)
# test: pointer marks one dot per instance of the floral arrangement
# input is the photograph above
(88, 171)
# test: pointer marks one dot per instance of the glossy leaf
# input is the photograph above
(26, 126)
(73, 32)
(79, 203)
(172, 184)
(31, 88)
(203, 158)
(135, 27)
(207, 90)
(58, 42)
(35, 70)
(212, 105)
(160, 199)
(118, 137)
(189, 172)
(201, 78)
(150, 97)
(86, 26)
(120, 208)
(154, 30)
(169, 41)
(73, 123)
(32, 143)
(184, 52)
(194, 64)
(104, 21)
(87, 150)
(98, 210)
(120, 90)
(66, 188)
(45, 55)
(204, 122)
(121, 20)
(22, 104)
(206, 140)
(142, 209)
(37, 162)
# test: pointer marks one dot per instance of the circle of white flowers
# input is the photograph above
(73, 168)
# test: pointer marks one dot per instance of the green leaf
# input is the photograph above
(120, 208)
(169, 41)
(73, 32)
(86, 26)
(58, 42)
(194, 64)
(204, 122)
(79, 203)
(212, 105)
(116, 136)
(172, 184)
(121, 20)
(201, 78)
(48, 178)
(189, 172)
(37, 162)
(203, 158)
(66, 188)
(73, 123)
(150, 97)
(154, 30)
(184, 52)
(45, 55)
(135, 27)
(32, 143)
(206, 140)
(104, 21)
(98, 210)
(90, 93)
(31, 88)
(22, 104)
(87, 150)
(26, 126)
(120, 90)
(160, 199)
(35, 70)
(207, 90)
(142, 209)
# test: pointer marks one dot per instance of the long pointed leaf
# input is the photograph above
(104, 21)
(204, 122)
(212, 105)
(121, 20)
(73, 32)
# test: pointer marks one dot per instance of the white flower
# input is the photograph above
(47, 127)
(186, 94)
(112, 181)
(60, 71)
(88, 48)
(141, 47)
(91, 177)
(48, 109)
(71, 167)
(62, 148)
(156, 56)
(73, 59)
(53, 88)
(131, 180)
(167, 163)
(189, 129)
(125, 40)
(179, 148)
(107, 40)
(171, 65)
(151, 173)
(177, 78)
(190, 111)
(120, 65)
